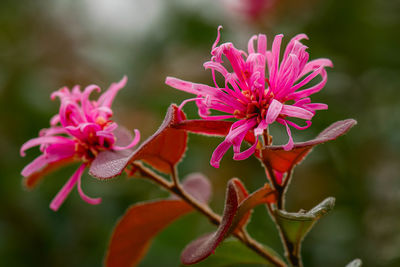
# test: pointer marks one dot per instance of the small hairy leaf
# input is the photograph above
(163, 150)
(355, 263)
(263, 195)
(282, 161)
(134, 232)
(297, 225)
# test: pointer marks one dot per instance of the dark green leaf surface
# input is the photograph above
(296, 225)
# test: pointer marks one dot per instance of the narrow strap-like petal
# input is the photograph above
(247, 153)
(108, 96)
(273, 111)
(219, 152)
(86, 198)
(34, 166)
(296, 112)
(218, 37)
(86, 104)
(134, 142)
(290, 142)
(298, 127)
(250, 44)
(66, 189)
(274, 58)
(43, 140)
(262, 44)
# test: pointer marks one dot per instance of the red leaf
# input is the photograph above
(163, 150)
(142, 222)
(263, 195)
(282, 161)
(238, 205)
(211, 128)
(204, 246)
(198, 186)
(242, 195)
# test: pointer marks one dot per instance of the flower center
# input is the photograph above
(89, 148)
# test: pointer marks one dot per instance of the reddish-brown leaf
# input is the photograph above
(282, 161)
(198, 185)
(163, 150)
(202, 247)
(242, 195)
(142, 222)
(261, 196)
(238, 205)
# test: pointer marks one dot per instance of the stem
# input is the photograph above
(175, 188)
(291, 254)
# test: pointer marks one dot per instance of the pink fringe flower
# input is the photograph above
(254, 99)
(80, 130)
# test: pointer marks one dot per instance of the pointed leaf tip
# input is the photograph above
(282, 161)
(167, 146)
(296, 225)
(355, 263)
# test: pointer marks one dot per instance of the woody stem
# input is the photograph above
(292, 255)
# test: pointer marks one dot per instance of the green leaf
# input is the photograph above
(295, 226)
(355, 263)
(233, 253)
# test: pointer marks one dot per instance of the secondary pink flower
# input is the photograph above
(260, 90)
(80, 130)
(251, 9)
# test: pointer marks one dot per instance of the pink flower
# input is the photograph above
(80, 130)
(254, 99)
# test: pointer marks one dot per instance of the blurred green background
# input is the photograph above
(45, 45)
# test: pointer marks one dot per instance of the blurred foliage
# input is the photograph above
(48, 44)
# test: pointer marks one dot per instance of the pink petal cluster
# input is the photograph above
(260, 89)
(80, 130)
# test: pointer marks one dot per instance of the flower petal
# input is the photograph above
(84, 197)
(273, 112)
(134, 142)
(297, 112)
(43, 140)
(106, 99)
(219, 152)
(59, 199)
